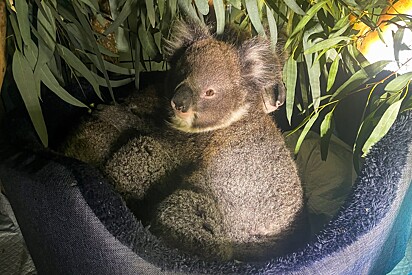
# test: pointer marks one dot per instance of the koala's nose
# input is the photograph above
(182, 99)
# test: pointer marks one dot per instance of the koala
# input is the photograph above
(220, 94)
(217, 179)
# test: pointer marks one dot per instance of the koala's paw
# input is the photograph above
(138, 165)
(192, 222)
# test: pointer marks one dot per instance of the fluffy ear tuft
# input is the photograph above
(259, 63)
(184, 32)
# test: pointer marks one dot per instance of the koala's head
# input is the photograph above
(215, 80)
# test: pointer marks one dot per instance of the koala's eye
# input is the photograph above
(210, 93)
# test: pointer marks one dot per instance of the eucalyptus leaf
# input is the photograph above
(16, 31)
(25, 81)
(359, 78)
(383, 126)
(31, 52)
(73, 61)
(326, 130)
(46, 26)
(110, 66)
(202, 6)
(308, 16)
(399, 82)
(272, 26)
(290, 76)
(325, 44)
(220, 15)
(94, 44)
(333, 72)
(128, 7)
(253, 12)
(305, 131)
(46, 76)
(236, 3)
(22, 12)
(147, 41)
(188, 9)
(150, 9)
(294, 6)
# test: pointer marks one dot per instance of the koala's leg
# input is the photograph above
(192, 222)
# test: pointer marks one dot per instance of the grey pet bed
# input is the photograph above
(74, 223)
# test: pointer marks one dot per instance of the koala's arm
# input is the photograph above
(191, 221)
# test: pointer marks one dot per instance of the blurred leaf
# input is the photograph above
(73, 61)
(172, 7)
(202, 6)
(45, 75)
(399, 82)
(305, 131)
(220, 15)
(272, 26)
(236, 3)
(383, 125)
(332, 72)
(161, 6)
(150, 9)
(294, 6)
(253, 12)
(25, 82)
(325, 44)
(126, 10)
(92, 4)
(22, 12)
(137, 64)
(290, 76)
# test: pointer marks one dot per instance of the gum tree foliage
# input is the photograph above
(49, 35)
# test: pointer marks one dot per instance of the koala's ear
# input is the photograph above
(183, 33)
(258, 62)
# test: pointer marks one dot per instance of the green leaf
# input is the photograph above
(73, 61)
(290, 76)
(31, 52)
(326, 130)
(383, 126)
(46, 76)
(161, 6)
(332, 72)
(220, 15)
(151, 12)
(46, 26)
(16, 31)
(92, 4)
(305, 131)
(25, 82)
(22, 12)
(126, 10)
(314, 81)
(89, 34)
(253, 12)
(147, 41)
(360, 77)
(308, 16)
(110, 66)
(272, 26)
(294, 6)
(325, 44)
(236, 3)
(202, 6)
(187, 9)
(399, 82)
